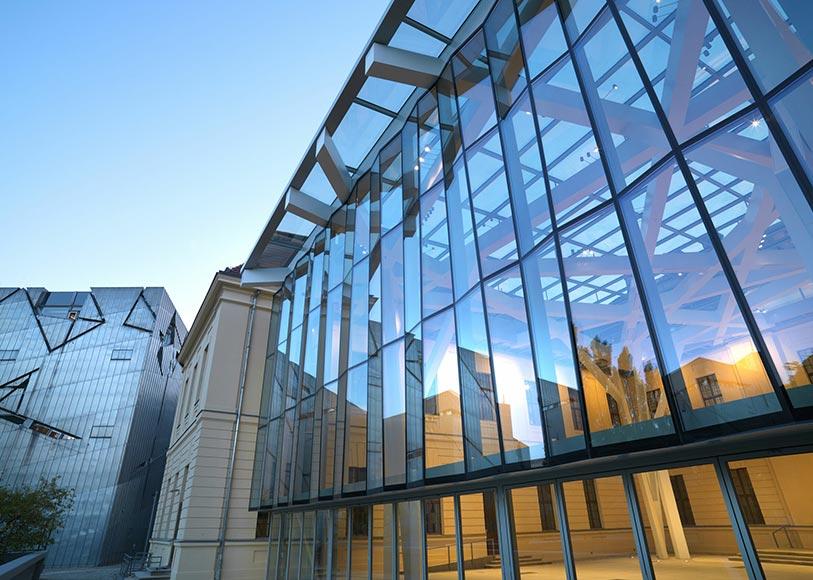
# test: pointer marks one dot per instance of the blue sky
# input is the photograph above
(146, 142)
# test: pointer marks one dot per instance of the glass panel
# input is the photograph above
(321, 545)
(436, 271)
(358, 132)
(600, 529)
(388, 94)
(686, 523)
(362, 220)
(514, 375)
(542, 35)
(391, 175)
(300, 288)
(687, 62)
(523, 163)
(555, 366)
(394, 413)
(318, 186)
(380, 566)
(776, 37)
(616, 357)
(429, 157)
(474, 91)
(273, 545)
(410, 161)
(715, 369)
(333, 331)
(476, 381)
(306, 558)
(302, 472)
(286, 456)
(412, 267)
(766, 226)
(328, 434)
(439, 528)
(441, 390)
(414, 405)
(450, 136)
(340, 545)
(358, 313)
(774, 497)
(410, 38)
(337, 268)
(355, 449)
(311, 365)
(294, 353)
(444, 17)
(317, 275)
(282, 560)
(359, 546)
(410, 540)
(629, 131)
(374, 308)
(579, 13)
(294, 546)
(375, 433)
(793, 113)
(492, 207)
(392, 285)
(504, 54)
(480, 538)
(535, 525)
(575, 173)
(465, 270)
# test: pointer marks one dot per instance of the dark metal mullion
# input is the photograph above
(330, 541)
(458, 534)
(394, 536)
(374, 107)
(673, 408)
(638, 529)
(564, 530)
(713, 235)
(749, 78)
(745, 542)
(427, 30)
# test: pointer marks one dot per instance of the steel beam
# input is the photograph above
(402, 66)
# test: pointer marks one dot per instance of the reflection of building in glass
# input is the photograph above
(546, 272)
(88, 388)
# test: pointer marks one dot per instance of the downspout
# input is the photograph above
(221, 540)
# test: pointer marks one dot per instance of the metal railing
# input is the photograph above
(132, 563)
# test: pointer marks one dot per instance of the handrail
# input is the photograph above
(487, 541)
(787, 535)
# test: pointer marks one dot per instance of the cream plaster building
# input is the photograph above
(226, 347)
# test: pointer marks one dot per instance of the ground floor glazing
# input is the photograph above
(724, 517)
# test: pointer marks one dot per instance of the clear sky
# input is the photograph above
(145, 142)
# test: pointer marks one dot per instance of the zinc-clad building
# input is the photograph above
(545, 302)
(88, 389)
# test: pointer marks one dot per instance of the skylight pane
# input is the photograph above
(318, 186)
(410, 38)
(358, 132)
(445, 17)
(384, 93)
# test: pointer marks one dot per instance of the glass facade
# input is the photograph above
(89, 384)
(589, 240)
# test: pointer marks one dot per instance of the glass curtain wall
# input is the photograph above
(592, 235)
